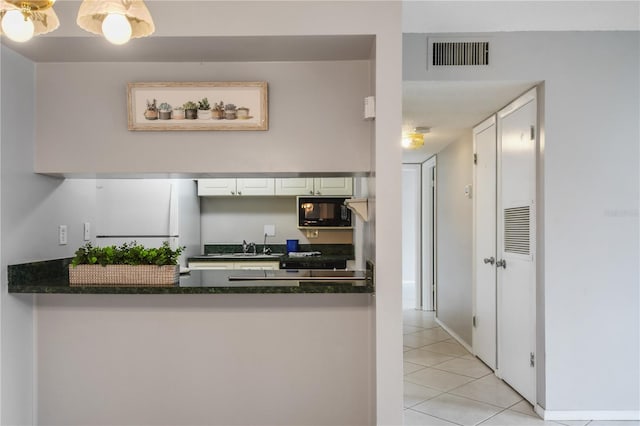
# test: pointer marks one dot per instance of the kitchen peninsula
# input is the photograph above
(53, 277)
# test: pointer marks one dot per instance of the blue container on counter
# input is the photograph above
(292, 246)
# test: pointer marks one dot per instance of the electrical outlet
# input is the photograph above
(62, 235)
(312, 233)
(270, 230)
(87, 231)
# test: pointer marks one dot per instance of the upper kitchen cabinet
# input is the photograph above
(315, 186)
(235, 187)
(333, 186)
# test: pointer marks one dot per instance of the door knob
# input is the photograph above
(490, 260)
(501, 264)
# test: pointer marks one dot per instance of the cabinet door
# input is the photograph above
(258, 266)
(216, 187)
(256, 186)
(211, 265)
(294, 186)
(333, 186)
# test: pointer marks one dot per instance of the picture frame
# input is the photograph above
(163, 106)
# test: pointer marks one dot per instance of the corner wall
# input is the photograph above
(454, 238)
(32, 207)
(590, 206)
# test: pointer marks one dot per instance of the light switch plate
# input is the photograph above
(87, 231)
(62, 234)
(270, 230)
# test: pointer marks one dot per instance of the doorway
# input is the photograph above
(418, 235)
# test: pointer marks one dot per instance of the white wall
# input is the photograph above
(590, 177)
(524, 15)
(204, 359)
(454, 237)
(32, 207)
(308, 125)
(411, 234)
(375, 147)
(229, 220)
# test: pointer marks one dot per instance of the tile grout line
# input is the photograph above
(435, 417)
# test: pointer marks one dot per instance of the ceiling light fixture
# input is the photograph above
(21, 20)
(117, 20)
(414, 139)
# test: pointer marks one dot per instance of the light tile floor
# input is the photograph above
(445, 385)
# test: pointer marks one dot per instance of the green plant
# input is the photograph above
(165, 107)
(151, 106)
(190, 105)
(229, 107)
(126, 254)
(218, 106)
(204, 105)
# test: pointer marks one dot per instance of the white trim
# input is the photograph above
(454, 335)
(586, 414)
(522, 100)
(484, 125)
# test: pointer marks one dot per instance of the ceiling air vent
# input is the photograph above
(458, 53)
(517, 230)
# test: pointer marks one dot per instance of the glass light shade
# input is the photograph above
(412, 140)
(116, 28)
(16, 26)
(92, 14)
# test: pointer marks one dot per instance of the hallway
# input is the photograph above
(445, 385)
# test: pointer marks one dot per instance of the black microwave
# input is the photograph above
(323, 212)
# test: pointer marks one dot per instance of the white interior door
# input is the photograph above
(411, 297)
(484, 248)
(428, 234)
(516, 244)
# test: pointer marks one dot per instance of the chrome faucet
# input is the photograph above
(246, 247)
(265, 250)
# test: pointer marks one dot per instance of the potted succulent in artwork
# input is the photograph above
(178, 113)
(165, 111)
(190, 110)
(230, 112)
(204, 109)
(217, 113)
(151, 113)
(242, 113)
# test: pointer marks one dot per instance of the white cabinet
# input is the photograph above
(315, 186)
(236, 187)
(223, 265)
(210, 265)
(294, 186)
(260, 266)
(333, 186)
(255, 186)
(216, 187)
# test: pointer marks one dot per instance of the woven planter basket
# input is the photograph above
(124, 275)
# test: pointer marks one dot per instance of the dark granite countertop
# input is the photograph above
(53, 277)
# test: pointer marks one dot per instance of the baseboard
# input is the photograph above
(454, 335)
(586, 414)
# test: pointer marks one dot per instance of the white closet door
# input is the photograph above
(484, 249)
(516, 244)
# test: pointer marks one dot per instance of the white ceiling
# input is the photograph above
(451, 109)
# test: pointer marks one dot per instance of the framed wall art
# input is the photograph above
(228, 105)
